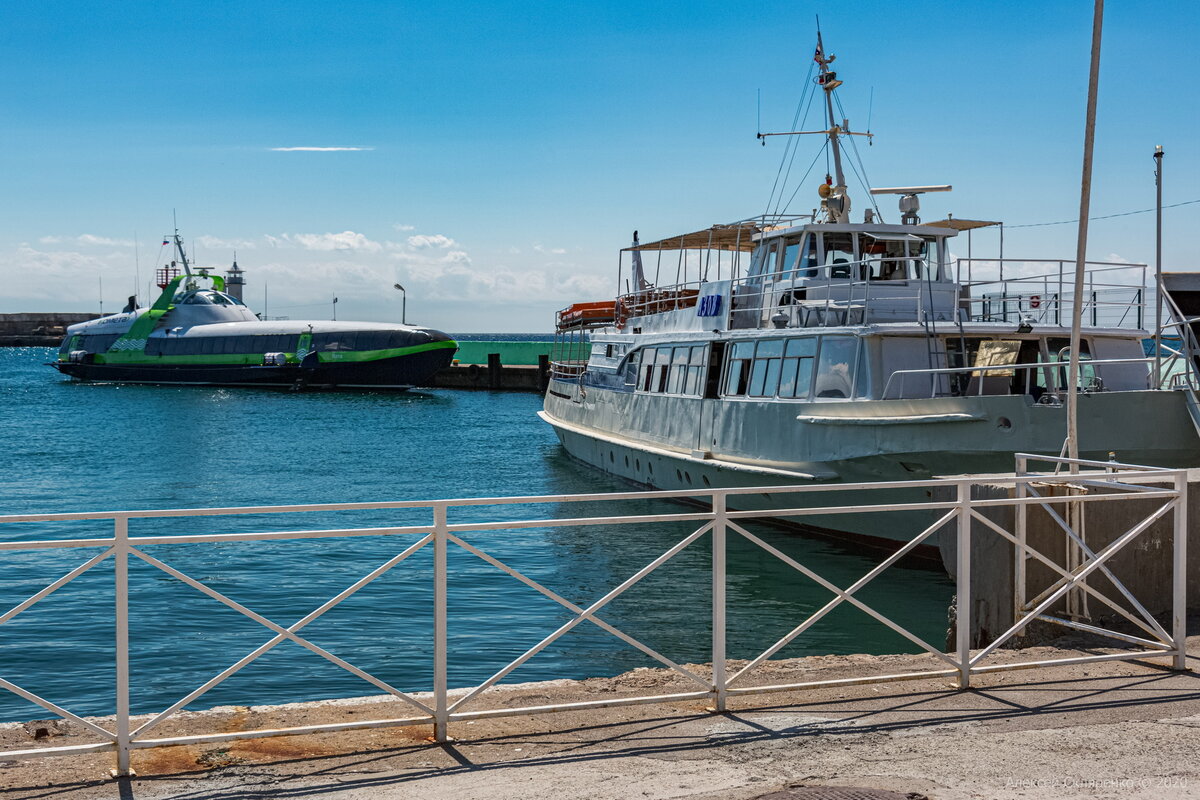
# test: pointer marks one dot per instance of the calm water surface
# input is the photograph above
(79, 447)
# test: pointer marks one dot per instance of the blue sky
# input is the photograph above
(509, 149)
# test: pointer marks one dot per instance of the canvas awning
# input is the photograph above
(737, 236)
(961, 224)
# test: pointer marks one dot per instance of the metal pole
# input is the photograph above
(1179, 575)
(1085, 198)
(963, 588)
(1158, 290)
(718, 602)
(403, 302)
(441, 715)
(121, 575)
(1022, 515)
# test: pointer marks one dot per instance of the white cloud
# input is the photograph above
(88, 238)
(217, 243)
(540, 248)
(402, 227)
(436, 240)
(346, 240)
(319, 149)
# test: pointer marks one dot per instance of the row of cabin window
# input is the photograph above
(277, 343)
(92, 342)
(823, 367)
(785, 368)
(672, 369)
(221, 345)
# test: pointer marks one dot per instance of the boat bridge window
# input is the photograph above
(208, 297)
(671, 369)
(839, 254)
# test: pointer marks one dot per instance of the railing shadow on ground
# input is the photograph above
(1107, 482)
(656, 736)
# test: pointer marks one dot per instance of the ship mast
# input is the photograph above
(187, 269)
(835, 200)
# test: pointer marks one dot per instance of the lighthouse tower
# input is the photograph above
(234, 280)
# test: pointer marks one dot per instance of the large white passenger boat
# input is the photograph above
(796, 349)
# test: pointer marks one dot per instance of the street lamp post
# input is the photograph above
(403, 303)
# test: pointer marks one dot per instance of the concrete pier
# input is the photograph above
(1102, 730)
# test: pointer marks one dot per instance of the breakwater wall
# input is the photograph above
(37, 329)
(498, 366)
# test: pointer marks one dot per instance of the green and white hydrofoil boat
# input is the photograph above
(198, 333)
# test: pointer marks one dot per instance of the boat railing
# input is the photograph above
(1017, 291)
(567, 369)
(1045, 380)
(1041, 291)
(845, 293)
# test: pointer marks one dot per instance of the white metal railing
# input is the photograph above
(718, 519)
(940, 383)
(1042, 289)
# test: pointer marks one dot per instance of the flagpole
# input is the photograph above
(1085, 197)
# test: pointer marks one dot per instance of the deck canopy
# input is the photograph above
(737, 236)
(961, 224)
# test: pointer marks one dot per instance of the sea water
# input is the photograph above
(72, 446)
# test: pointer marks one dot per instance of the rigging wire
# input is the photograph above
(854, 146)
(800, 183)
(1106, 216)
(795, 150)
(808, 84)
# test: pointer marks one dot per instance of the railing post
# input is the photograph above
(1021, 512)
(441, 715)
(718, 602)
(121, 619)
(963, 611)
(1179, 574)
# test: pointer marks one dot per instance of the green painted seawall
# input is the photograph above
(511, 353)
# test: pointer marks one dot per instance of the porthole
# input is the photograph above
(687, 477)
(627, 462)
(611, 457)
(679, 476)
(650, 467)
(638, 463)
(1004, 423)
(707, 482)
